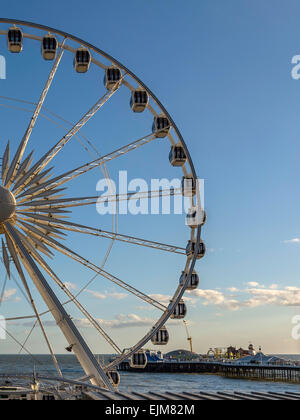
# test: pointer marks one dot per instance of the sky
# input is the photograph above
(224, 72)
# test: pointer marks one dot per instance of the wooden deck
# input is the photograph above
(192, 396)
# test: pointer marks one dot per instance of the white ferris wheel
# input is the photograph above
(36, 219)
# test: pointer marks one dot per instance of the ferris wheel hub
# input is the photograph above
(7, 205)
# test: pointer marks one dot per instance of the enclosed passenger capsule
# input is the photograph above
(191, 246)
(49, 47)
(193, 282)
(139, 100)
(196, 217)
(139, 360)
(15, 40)
(161, 338)
(114, 376)
(188, 185)
(177, 156)
(180, 311)
(112, 77)
(161, 126)
(82, 60)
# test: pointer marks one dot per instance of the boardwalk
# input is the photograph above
(192, 396)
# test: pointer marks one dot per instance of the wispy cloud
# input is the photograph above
(71, 286)
(118, 296)
(253, 284)
(121, 321)
(165, 299)
(252, 297)
(215, 297)
(105, 295)
(289, 296)
(292, 241)
(9, 295)
(97, 295)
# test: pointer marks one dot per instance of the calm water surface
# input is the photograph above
(143, 382)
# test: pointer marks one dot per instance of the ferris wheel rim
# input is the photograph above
(110, 58)
(190, 261)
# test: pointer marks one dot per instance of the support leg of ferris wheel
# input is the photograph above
(74, 338)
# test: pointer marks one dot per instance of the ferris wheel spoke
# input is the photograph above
(33, 235)
(6, 259)
(75, 256)
(20, 152)
(70, 175)
(39, 245)
(28, 337)
(74, 227)
(46, 227)
(36, 205)
(23, 168)
(44, 161)
(3, 290)
(5, 162)
(110, 277)
(14, 255)
(41, 177)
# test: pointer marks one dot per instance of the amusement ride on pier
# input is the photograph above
(33, 212)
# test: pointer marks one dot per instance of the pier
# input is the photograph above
(266, 373)
(228, 369)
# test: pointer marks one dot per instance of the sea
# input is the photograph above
(143, 382)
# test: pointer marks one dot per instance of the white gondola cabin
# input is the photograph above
(112, 77)
(114, 377)
(15, 40)
(193, 282)
(139, 100)
(188, 185)
(191, 247)
(139, 360)
(180, 311)
(161, 338)
(49, 47)
(196, 218)
(82, 60)
(177, 156)
(161, 126)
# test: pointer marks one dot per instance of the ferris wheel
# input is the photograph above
(36, 221)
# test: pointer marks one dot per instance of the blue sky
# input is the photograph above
(223, 70)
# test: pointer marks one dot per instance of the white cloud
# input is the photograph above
(292, 241)
(9, 295)
(97, 295)
(105, 295)
(253, 284)
(251, 297)
(215, 297)
(127, 321)
(119, 322)
(290, 296)
(166, 299)
(70, 286)
(118, 296)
